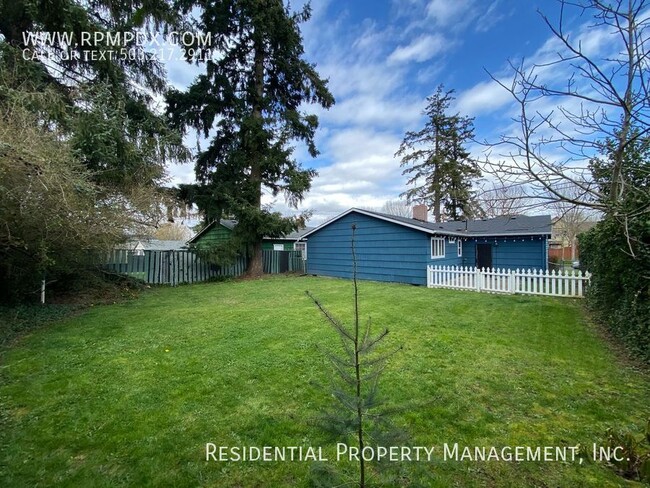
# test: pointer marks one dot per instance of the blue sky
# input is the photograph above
(382, 59)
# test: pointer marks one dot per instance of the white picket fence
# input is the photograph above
(533, 281)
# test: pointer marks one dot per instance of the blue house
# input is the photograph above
(398, 249)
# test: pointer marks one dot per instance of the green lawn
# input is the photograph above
(129, 394)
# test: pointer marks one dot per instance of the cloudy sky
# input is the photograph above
(382, 59)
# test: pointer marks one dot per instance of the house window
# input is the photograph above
(437, 247)
(278, 247)
(460, 248)
(301, 246)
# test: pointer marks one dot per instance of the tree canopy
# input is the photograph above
(249, 102)
(105, 102)
(438, 165)
(83, 151)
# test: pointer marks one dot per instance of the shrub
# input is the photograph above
(634, 462)
(619, 293)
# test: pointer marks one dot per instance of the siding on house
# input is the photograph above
(469, 253)
(522, 252)
(267, 244)
(451, 254)
(385, 251)
(215, 234)
(213, 237)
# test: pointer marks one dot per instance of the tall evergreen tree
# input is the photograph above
(82, 149)
(437, 163)
(104, 103)
(250, 98)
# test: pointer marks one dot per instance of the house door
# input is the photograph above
(483, 255)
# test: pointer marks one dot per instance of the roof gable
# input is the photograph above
(499, 226)
(228, 224)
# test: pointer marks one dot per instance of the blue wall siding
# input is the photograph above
(391, 252)
(511, 252)
(469, 253)
(451, 254)
(385, 251)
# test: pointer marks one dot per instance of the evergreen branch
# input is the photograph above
(332, 320)
(368, 344)
(382, 358)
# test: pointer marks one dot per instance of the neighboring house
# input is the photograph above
(564, 243)
(287, 243)
(398, 249)
(214, 233)
(141, 245)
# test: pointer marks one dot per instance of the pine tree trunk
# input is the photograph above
(255, 266)
(437, 197)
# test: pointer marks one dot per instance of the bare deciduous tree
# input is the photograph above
(600, 107)
(496, 200)
(571, 221)
(400, 208)
(172, 231)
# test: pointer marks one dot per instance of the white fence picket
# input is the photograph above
(532, 282)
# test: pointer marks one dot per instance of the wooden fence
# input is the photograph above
(563, 253)
(176, 267)
(534, 282)
(282, 261)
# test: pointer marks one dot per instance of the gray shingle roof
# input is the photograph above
(230, 224)
(499, 226)
(293, 236)
(520, 224)
(162, 245)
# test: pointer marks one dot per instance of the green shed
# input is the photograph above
(214, 233)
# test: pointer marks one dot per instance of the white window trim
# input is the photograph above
(459, 248)
(437, 239)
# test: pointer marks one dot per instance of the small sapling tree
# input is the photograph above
(358, 366)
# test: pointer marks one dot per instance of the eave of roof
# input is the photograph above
(230, 224)
(427, 227)
(293, 236)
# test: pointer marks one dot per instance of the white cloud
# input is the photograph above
(365, 174)
(181, 74)
(446, 12)
(377, 112)
(491, 17)
(421, 49)
(181, 173)
(351, 78)
(482, 98)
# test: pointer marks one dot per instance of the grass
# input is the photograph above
(19, 319)
(129, 394)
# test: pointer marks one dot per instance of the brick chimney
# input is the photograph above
(420, 212)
